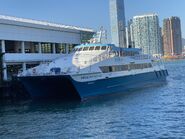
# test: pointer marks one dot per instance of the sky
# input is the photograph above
(89, 13)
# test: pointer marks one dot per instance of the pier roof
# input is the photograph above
(31, 22)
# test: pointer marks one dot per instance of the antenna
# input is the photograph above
(100, 36)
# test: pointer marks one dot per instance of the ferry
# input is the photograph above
(92, 70)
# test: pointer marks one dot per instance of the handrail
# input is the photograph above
(92, 60)
(100, 57)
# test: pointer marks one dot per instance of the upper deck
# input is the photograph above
(106, 47)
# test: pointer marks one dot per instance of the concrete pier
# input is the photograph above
(5, 90)
(12, 91)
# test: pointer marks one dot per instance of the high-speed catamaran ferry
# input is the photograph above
(93, 70)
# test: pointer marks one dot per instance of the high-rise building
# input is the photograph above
(162, 48)
(129, 34)
(183, 44)
(172, 38)
(117, 16)
(147, 34)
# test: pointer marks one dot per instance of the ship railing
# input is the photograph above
(141, 57)
(104, 56)
(96, 58)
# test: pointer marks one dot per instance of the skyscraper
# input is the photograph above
(147, 34)
(117, 16)
(172, 38)
(129, 34)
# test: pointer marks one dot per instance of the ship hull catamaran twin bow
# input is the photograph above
(92, 70)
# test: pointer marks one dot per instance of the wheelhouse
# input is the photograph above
(92, 47)
(107, 47)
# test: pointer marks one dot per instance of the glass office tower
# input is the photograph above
(117, 16)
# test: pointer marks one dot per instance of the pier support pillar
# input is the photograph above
(40, 48)
(4, 67)
(24, 66)
(2, 46)
(23, 47)
(5, 76)
(67, 48)
(54, 48)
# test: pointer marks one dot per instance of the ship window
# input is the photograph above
(104, 69)
(97, 48)
(91, 48)
(80, 49)
(127, 67)
(103, 48)
(140, 66)
(55, 70)
(85, 48)
(129, 53)
(111, 69)
(109, 48)
(75, 49)
(115, 68)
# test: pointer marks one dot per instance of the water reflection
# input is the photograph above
(154, 112)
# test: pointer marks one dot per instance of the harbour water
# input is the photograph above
(157, 112)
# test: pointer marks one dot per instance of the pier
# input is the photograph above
(5, 90)
(8, 90)
(12, 90)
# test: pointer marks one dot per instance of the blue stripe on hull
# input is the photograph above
(65, 87)
(119, 84)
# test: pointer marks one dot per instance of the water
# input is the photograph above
(157, 112)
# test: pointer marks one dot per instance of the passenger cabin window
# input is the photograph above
(109, 48)
(129, 53)
(132, 66)
(91, 48)
(80, 49)
(75, 49)
(85, 48)
(97, 48)
(103, 48)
